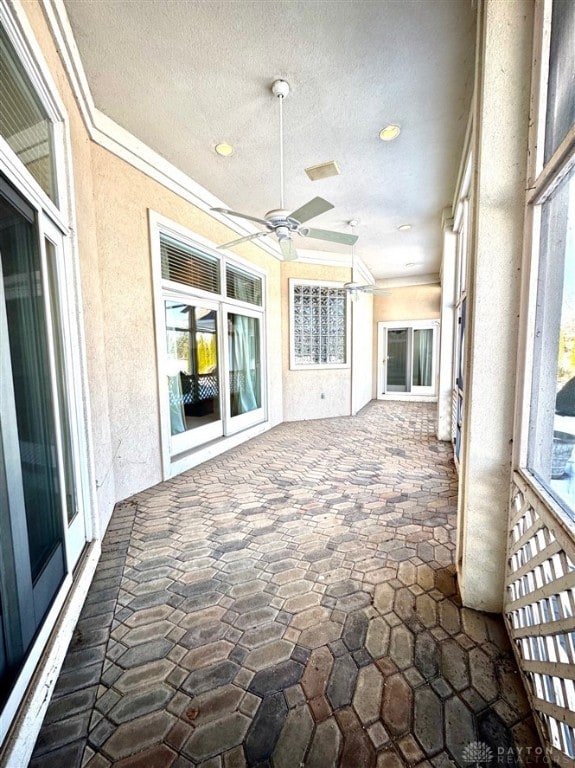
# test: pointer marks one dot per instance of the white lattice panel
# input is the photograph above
(540, 614)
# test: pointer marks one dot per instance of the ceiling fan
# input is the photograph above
(280, 221)
(355, 288)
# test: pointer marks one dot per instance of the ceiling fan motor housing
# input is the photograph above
(279, 220)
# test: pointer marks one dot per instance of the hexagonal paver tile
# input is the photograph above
(323, 633)
(268, 655)
(216, 736)
(396, 705)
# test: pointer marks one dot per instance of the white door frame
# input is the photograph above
(415, 393)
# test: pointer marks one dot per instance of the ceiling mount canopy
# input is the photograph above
(280, 221)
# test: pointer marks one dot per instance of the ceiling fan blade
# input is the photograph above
(311, 210)
(241, 215)
(243, 239)
(373, 289)
(288, 249)
(370, 289)
(326, 234)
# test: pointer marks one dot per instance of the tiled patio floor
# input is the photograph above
(290, 603)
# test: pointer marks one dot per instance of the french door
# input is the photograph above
(43, 529)
(213, 370)
(244, 390)
(407, 359)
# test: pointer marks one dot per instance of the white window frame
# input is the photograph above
(56, 222)
(294, 364)
(543, 180)
(177, 456)
(462, 230)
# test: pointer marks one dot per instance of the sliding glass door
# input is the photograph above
(244, 390)
(214, 378)
(210, 317)
(193, 372)
(43, 532)
(407, 359)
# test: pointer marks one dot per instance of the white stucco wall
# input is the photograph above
(362, 351)
(499, 149)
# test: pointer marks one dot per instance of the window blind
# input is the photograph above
(184, 264)
(243, 286)
(24, 123)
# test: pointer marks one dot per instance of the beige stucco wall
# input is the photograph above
(303, 390)
(411, 302)
(122, 198)
(112, 199)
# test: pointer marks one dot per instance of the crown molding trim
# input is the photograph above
(120, 142)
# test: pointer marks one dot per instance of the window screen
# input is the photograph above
(184, 264)
(561, 94)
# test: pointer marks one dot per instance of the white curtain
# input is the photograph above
(422, 357)
(244, 363)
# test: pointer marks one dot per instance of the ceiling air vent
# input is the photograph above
(323, 170)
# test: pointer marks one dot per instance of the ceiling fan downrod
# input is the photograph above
(280, 88)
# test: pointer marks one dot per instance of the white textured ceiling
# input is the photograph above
(183, 75)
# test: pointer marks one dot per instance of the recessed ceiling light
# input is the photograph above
(412, 264)
(223, 149)
(390, 132)
(404, 227)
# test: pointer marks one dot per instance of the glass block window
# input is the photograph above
(318, 325)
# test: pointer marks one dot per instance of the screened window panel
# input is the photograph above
(184, 264)
(561, 92)
(243, 286)
(24, 123)
(552, 439)
(319, 320)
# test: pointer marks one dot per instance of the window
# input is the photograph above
(24, 123)
(551, 455)
(319, 324)
(461, 227)
(182, 263)
(209, 317)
